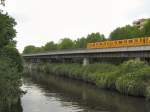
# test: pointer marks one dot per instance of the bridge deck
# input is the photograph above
(90, 51)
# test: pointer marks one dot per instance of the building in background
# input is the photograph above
(140, 23)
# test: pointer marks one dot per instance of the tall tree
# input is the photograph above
(126, 32)
(7, 31)
(80, 43)
(66, 43)
(13, 54)
(146, 29)
(7, 43)
(95, 37)
(31, 49)
(50, 46)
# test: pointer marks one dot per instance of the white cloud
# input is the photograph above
(40, 21)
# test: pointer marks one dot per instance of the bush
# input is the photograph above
(130, 85)
(9, 82)
(131, 77)
(106, 80)
(131, 66)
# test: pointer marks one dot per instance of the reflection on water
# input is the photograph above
(39, 100)
(47, 93)
(6, 106)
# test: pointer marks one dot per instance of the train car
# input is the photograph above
(120, 43)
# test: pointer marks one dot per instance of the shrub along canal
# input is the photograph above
(49, 93)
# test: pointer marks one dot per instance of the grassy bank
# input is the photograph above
(131, 77)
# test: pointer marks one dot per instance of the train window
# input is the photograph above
(96, 44)
(141, 39)
(100, 43)
(146, 40)
(120, 42)
(136, 40)
(92, 44)
(125, 41)
(130, 41)
(109, 43)
(104, 43)
(89, 45)
(113, 43)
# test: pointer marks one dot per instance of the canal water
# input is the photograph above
(48, 93)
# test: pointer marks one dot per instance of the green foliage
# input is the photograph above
(10, 64)
(66, 43)
(13, 54)
(134, 75)
(131, 77)
(80, 43)
(95, 37)
(130, 84)
(50, 46)
(31, 49)
(146, 29)
(9, 84)
(126, 32)
(131, 66)
(102, 75)
(9, 76)
(7, 44)
(148, 92)
(104, 80)
(7, 31)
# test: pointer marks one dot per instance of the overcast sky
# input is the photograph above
(40, 21)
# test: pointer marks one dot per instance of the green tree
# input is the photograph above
(10, 64)
(13, 54)
(7, 44)
(7, 31)
(9, 85)
(95, 37)
(126, 32)
(50, 46)
(66, 43)
(146, 29)
(31, 49)
(80, 43)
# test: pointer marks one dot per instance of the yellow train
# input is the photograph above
(120, 43)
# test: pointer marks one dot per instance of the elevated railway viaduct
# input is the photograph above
(86, 55)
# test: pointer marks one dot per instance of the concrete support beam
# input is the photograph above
(63, 60)
(138, 59)
(85, 61)
(49, 61)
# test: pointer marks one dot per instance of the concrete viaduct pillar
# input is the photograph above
(85, 61)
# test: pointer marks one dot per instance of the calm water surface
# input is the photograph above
(55, 94)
